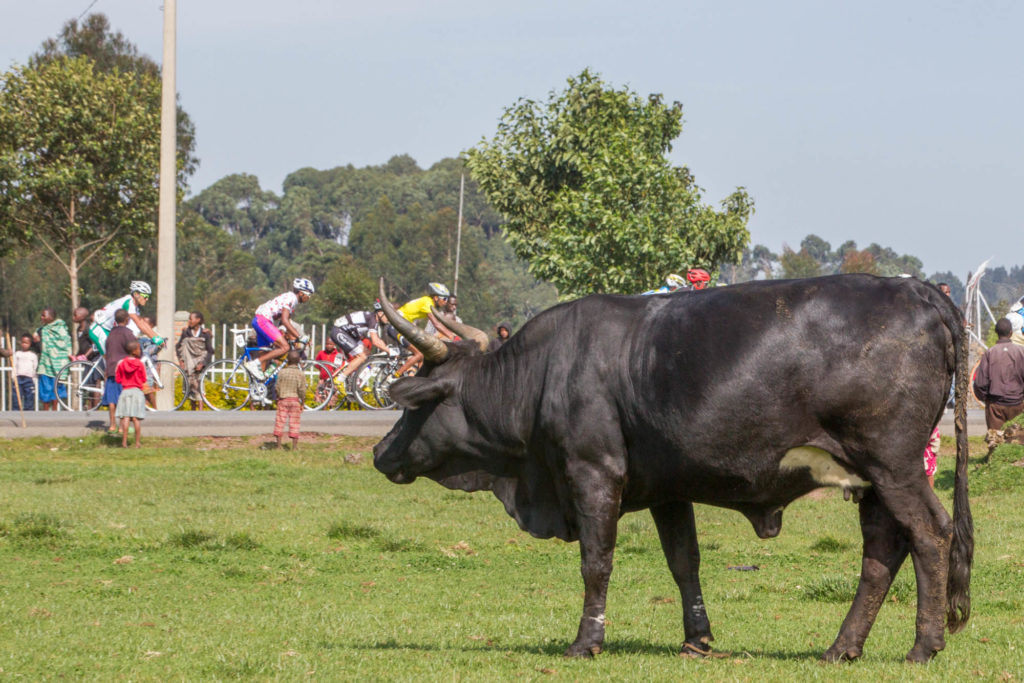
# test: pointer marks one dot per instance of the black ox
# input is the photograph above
(744, 397)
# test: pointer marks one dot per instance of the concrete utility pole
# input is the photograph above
(166, 226)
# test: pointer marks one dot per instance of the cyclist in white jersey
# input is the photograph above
(271, 313)
(103, 320)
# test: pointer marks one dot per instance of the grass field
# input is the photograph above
(205, 559)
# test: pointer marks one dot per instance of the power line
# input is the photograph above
(87, 9)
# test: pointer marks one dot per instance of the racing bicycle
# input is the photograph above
(84, 380)
(225, 384)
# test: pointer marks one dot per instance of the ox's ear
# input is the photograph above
(415, 392)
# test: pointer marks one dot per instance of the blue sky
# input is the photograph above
(889, 122)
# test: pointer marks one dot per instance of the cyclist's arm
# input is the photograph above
(378, 342)
(144, 326)
(286, 320)
(440, 327)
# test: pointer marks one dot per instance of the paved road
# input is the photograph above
(205, 423)
(209, 423)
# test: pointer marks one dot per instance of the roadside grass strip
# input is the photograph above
(208, 559)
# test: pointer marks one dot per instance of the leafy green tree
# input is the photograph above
(855, 261)
(798, 264)
(211, 265)
(79, 153)
(891, 264)
(591, 200)
(760, 262)
(111, 50)
(238, 205)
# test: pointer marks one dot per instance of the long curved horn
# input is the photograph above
(463, 330)
(432, 348)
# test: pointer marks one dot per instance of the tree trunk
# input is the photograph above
(73, 272)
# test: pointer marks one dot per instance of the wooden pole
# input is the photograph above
(14, 383)
(458, 239)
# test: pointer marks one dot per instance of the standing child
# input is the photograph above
(25, 364)
(328, 355)
(116, 344)
(291, 389)
(131, 404)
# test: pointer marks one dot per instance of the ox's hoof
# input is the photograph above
(695, 650)
(922, 654)
(582, 651)
(840, 654)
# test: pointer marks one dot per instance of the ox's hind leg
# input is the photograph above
(678, 533)
(885, 549)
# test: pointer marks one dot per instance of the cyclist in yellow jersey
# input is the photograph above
(419, 309)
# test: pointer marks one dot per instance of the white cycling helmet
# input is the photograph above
(140, 287)
(303, 285)
(437, 289)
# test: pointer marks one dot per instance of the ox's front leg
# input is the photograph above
(885, 548)
(678, 533)
(597, 495)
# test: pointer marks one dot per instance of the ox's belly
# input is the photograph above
(758, 487)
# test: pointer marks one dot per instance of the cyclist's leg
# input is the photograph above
(267, 334)
(351, 347)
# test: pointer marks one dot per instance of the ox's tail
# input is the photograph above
(961, 552)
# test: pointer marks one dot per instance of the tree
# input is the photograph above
(79, 154)
(591, 200)
(858, 262)
(111, 50)
(798, 264)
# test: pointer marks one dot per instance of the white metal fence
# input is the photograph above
(224, 346)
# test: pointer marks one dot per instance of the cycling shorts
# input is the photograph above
(266, 331)
(351, 345)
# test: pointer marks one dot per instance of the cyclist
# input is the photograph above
(696, 278)
(672, 283)
(350, 332)
(420, 309)
(268, 315)
(103, 320)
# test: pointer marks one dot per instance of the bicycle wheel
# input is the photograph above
(83, 381)
(369, 384)
(317, 394)
(175, 385)
(224, 385)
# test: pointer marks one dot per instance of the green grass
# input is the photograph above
(209, 559)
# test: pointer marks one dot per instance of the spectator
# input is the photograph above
(116, 344)
(82, 319)
(131, 403)
(999, 383)
(55, 348)
(502, 331)
(195, 351)
(291, 389)
(25, 364)
(327, 355)
(1016, 325)
(931, 452)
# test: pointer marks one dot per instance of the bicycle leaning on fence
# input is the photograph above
(84, 382)
(225, 384)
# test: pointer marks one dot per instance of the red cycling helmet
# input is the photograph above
(698, 277)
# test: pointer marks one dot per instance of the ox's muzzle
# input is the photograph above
(389, 467)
